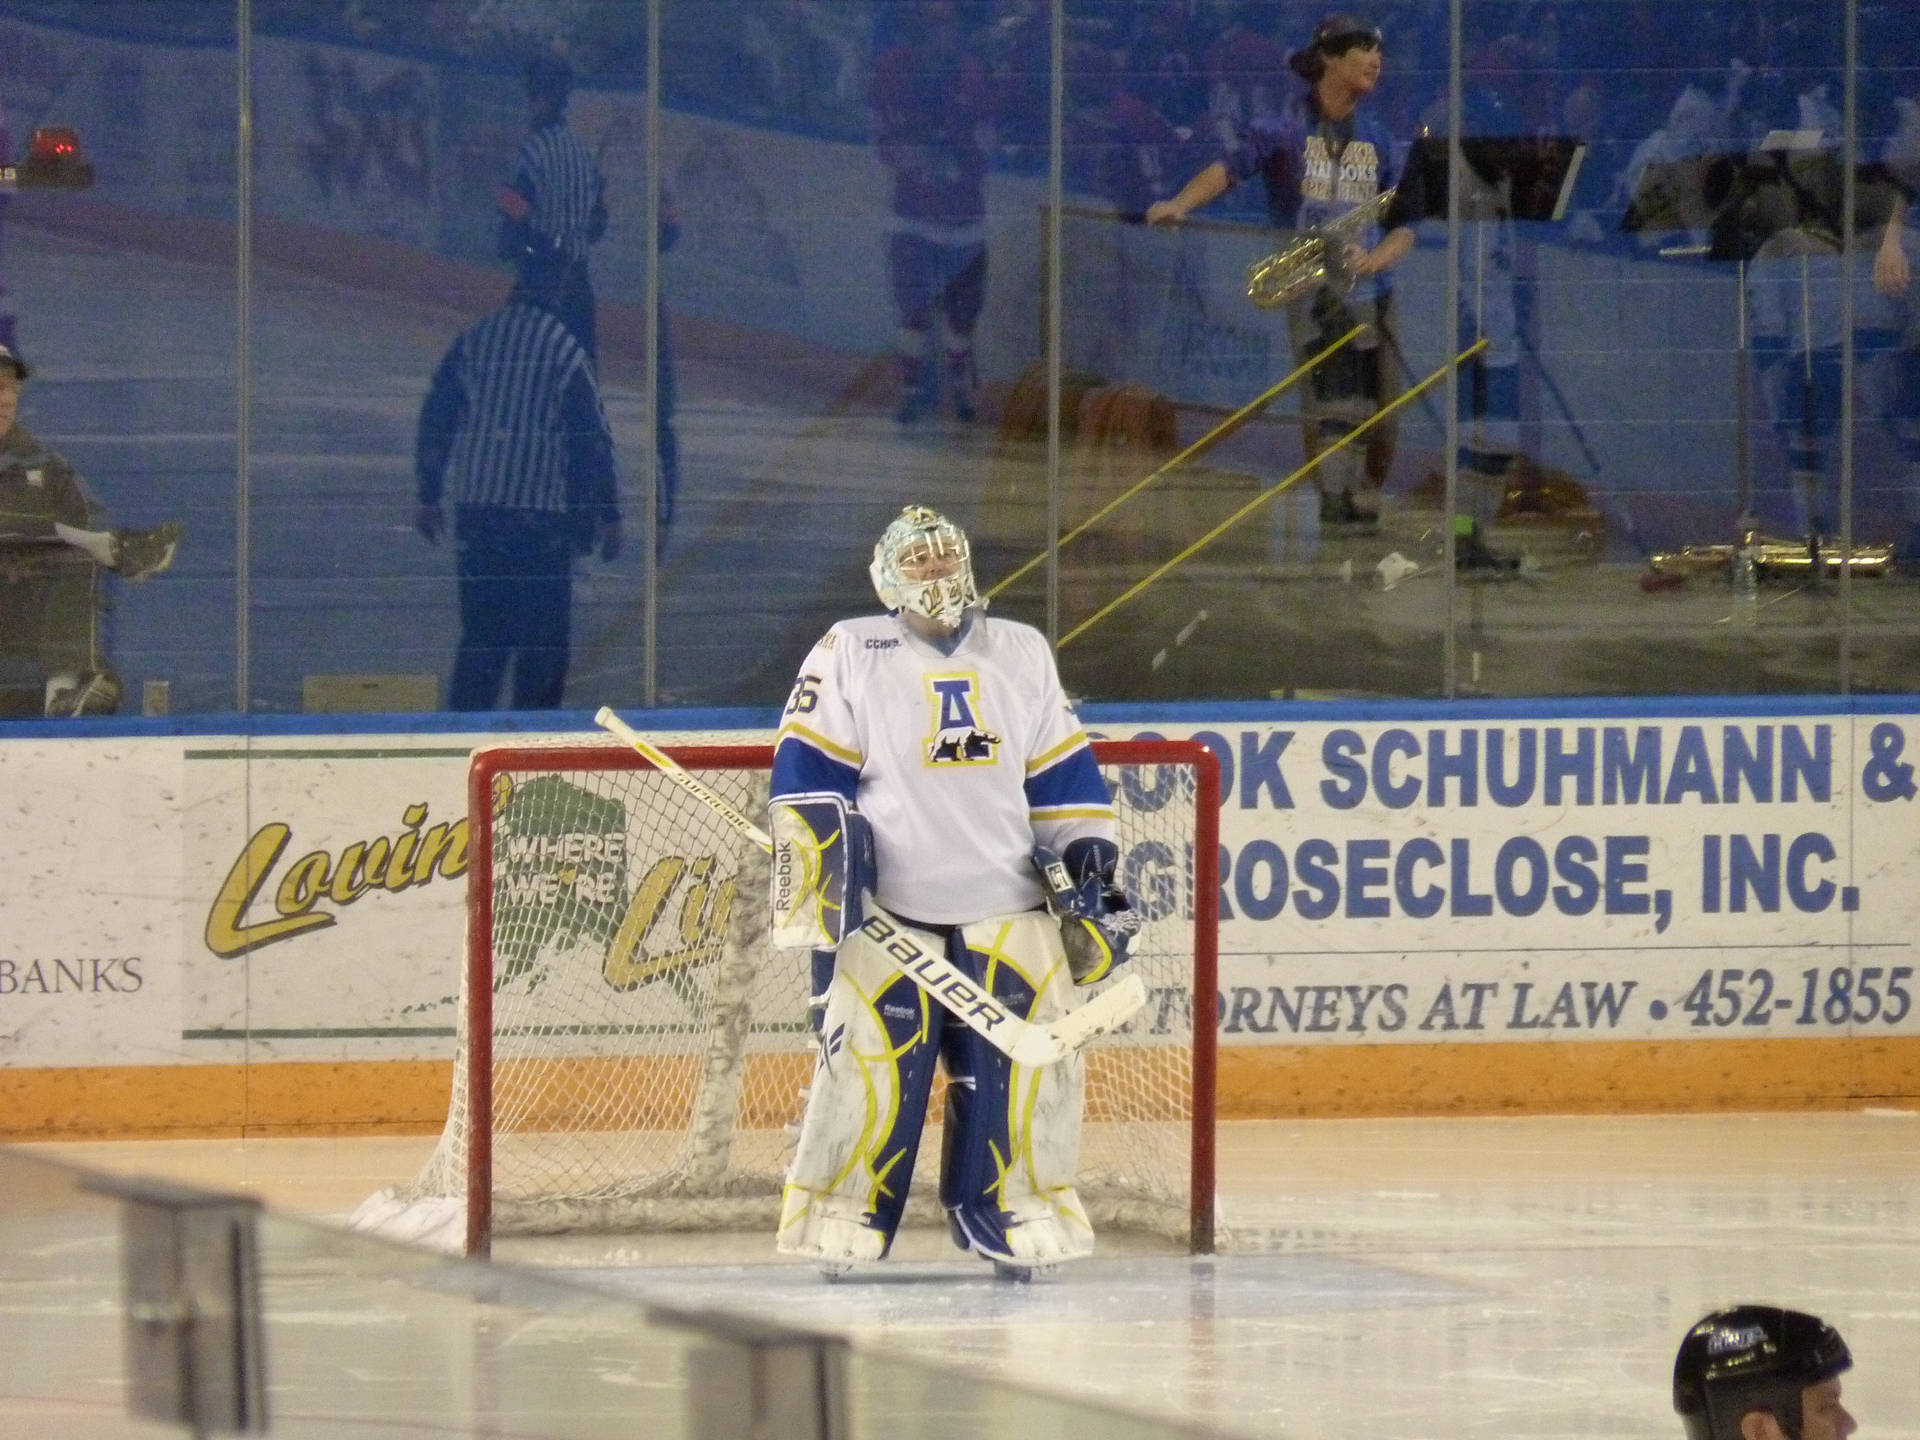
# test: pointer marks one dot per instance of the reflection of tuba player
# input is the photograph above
(1321, 159)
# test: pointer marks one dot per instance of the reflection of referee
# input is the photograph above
(556, 205)
(513, 426)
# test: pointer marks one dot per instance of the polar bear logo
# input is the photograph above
(962, 745)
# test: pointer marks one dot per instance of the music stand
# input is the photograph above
(1516, 177)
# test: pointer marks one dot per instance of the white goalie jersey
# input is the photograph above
(961, 760)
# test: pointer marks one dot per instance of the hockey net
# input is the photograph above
(633, 1054)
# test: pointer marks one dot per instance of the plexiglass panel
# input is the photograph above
(842, 232)
(352, 1336)
(1885, 435)
(853, 303)
(1649, 393)
(1251, 314)
(117, 290)
(446, 432)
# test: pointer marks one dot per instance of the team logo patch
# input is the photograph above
(1725, 1340)
(960, 737)
(962, 746)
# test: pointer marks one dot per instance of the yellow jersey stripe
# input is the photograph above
(1071, 812)
(1072, 742)
(819, 742)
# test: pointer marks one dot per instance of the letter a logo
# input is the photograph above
(958, 738)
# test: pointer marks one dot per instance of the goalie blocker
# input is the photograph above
(823, 863)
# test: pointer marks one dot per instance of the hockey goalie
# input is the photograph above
(929, 759)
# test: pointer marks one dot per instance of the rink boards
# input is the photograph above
(1486, 908)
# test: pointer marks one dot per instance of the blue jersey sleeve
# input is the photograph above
(1069, 786)
(818, 748)
(802, 767)
(1271, 147)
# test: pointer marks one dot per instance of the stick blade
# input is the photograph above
(1108, 1010)
(1037, 1046)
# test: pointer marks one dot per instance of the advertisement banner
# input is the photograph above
(325, 894)
(1384, 881)
(90, 943)
(326, 899)
(1516, 879)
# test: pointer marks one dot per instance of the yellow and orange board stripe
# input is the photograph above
(1263, 1082)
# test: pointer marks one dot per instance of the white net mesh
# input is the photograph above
(650, 1049)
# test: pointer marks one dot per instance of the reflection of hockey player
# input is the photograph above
(1889, 321)
(52, 549)
(924, 756)
(1757, 1372)
(1489, 310)
(1796, 315)
(930, 113)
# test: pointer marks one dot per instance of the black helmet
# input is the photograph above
(1335, 35)
(1752, 1357)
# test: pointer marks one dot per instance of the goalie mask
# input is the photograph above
(923, 566)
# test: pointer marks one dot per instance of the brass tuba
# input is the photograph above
(1312, 258)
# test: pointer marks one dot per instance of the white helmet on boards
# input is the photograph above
(923, 566)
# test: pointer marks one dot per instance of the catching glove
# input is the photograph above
(1097, 920)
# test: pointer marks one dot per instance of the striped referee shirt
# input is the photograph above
(563, 188)
(513, 420)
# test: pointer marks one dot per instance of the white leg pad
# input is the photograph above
(827, 1227)
(1041, 1232)
(846, 1186)
(1024, 1121)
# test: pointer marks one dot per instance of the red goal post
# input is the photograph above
(632, 1051)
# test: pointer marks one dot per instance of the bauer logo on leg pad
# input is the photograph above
(950, 987)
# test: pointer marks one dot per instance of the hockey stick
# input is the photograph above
(1222, 431)
(1272, 490)
(1024, 1041)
